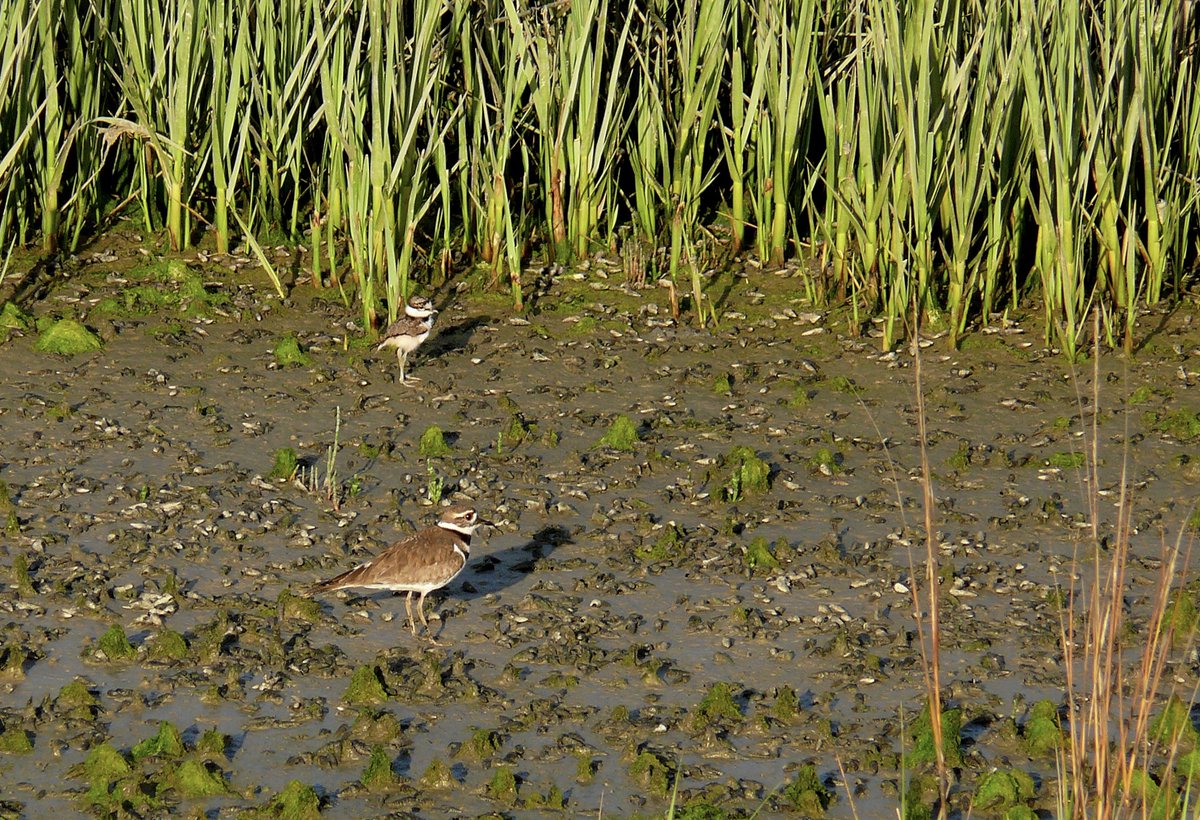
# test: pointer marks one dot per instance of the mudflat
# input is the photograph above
(698, 602)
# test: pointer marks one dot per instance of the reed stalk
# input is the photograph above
(788, 35)
(53, 128)
(1114, 686)
(229, 37)
(162, 53)
(282, 90)
(968, 155)
(497, 117)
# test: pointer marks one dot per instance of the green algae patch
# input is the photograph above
(621, 435)
(786, 705)
(1156, 802)
(119, 795)
(749, 475)
(297, 801)
(20, 573)
(67, 337)
(1187, 766)
(1004, 789)
(212, 744)
(1181, 424)
(76, 700)
(377, 727)
(653, 772)
(437, 776)
(1042, 733)
(12, 526)
(13, 658)
(700, 810)
(195, 778)
(168, 646)
(825, 461)
(484, 743)
(1067, 461)
(841, 384)
(288, 353)
(378, 776)
(516, 431)
(285, 465)
(115, 645)
(15, 741)
(716, 705)
(665, 546)
(433, 443)
(961, 459)
(1172, 726)
(503, 786)
(759, 556)
(13, 318)
(915, 805)
(167, 743)
(1182, 617)
(924, 751)
(1020, 812)
(290, 606)
(585, 766)
(806, 794)
(366, 687)
(104, 764)
(553, 799)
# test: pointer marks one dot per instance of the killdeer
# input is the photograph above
(421, 563)
(406, 333)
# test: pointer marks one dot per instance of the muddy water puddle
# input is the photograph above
(634, 619)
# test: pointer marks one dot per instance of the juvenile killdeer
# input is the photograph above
(406, 333)
(421, 563)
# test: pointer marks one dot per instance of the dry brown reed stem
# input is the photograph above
(846, 786)
(1109, 716)
(930, 654)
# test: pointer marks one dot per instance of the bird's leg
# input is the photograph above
(408, 608)
(408, 379)
(421, 611)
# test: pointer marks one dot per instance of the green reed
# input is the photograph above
(283, 93)
(966, 156)
(690, 111)
(497, 114)
(162, 53)
(229, 36)
(789, 38)
(20, 112)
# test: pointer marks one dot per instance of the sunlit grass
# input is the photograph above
(967, 156)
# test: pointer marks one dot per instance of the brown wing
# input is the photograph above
(404, 326)
(428, 559)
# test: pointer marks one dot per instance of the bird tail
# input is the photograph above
(336, 582)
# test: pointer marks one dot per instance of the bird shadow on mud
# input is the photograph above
(453, 337)
(497, 570)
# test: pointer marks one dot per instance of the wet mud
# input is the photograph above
(705, 604)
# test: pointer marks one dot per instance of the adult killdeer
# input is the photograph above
(406, 333)
(421, 563)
